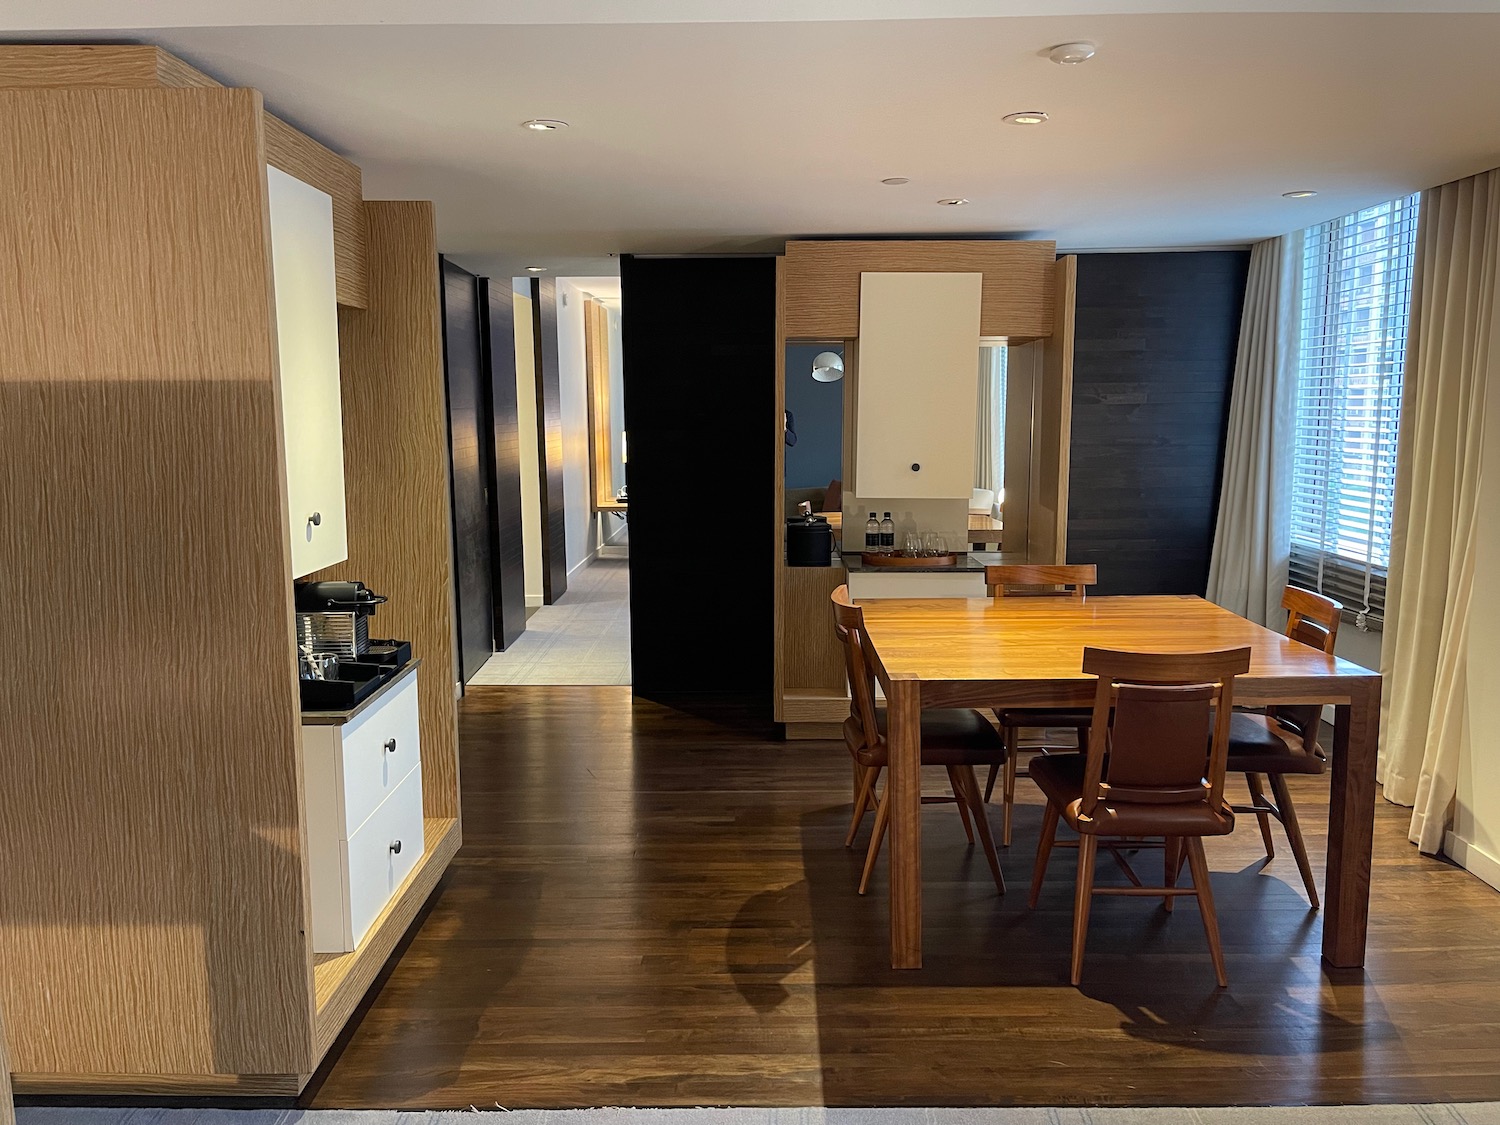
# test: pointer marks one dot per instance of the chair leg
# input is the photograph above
(862, 802)
(1294, 835)
(882, 822)
(1258, 799)
(1008, 800)
(1050, 818)
(1083, 897)
(962, 801)
(1171, 862)
(970, 785)
(989, 782)
(1199, 864)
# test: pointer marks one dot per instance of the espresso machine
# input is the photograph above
(338, 663)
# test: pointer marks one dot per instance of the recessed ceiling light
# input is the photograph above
(894, 180)
(544, 124)
(1071, 54)
(957, 201)
(1025, 117)
(536, 269)
(1302, 193)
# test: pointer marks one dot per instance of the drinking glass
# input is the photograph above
(936, 545)
(914, 545)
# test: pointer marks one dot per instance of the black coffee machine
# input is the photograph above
(338, 663)
(809, 541)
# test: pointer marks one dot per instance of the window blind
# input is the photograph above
(1356, 298)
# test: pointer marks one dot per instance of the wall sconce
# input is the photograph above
(828, 367)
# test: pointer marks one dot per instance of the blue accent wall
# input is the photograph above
(818, 409)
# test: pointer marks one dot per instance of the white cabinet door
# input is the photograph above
(918, 385)
(307, 340)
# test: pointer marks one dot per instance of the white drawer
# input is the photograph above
(382, 853)
(380, 748)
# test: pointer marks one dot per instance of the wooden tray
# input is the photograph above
(898, 561)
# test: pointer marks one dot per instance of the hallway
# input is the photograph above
(584, 639)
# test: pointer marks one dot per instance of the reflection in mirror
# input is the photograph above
(815, 415)
(989, 446)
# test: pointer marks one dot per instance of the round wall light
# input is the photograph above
(544, 125)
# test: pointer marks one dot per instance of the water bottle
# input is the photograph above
(887, 535)
(872, 535)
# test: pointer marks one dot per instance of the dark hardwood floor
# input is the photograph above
(653, 907)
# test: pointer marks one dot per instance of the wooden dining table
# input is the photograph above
(1028, 652)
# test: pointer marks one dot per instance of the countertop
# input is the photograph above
(339, 718)
(967, 564)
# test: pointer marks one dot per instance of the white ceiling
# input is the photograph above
(693, 134)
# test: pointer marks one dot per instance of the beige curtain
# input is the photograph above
(1252, 540)
(1453, 348)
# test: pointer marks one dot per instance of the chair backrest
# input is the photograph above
(1064, 581)
(1150, 741)
(1313, 620)
(861, 731)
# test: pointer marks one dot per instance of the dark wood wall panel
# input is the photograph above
(497, 311)
(549, 439)
(468, 425)
(1155, 341)
(700, 384)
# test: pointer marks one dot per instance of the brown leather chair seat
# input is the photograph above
(954, 737)
(1060, 777)
(1257, 746)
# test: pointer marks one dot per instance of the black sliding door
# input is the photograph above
(497, 311)
(469, 439)
(549, 440)
(700, 375)
(1153, 363)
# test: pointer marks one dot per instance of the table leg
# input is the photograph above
(1351, 827)
(904, 735)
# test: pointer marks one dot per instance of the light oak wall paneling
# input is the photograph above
(778, 538)
(396, 470)
(161, 930)
(550, 450)
(813, 657)
(1047, 539)
(39, 65)
(7, 1108)
(601, 433)
(822, 282)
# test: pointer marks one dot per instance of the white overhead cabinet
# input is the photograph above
(307, 338)
(918, 385)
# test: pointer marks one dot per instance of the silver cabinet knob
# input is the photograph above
(316, 519)
(395, 847)
(390, 746)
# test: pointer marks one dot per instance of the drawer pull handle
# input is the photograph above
(316, 519)
(396, 847)
(390, 746)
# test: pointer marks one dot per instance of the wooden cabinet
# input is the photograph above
(364, 813)
(918, 385)
(307, 343)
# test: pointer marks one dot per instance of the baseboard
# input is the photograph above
(588, 558)
(1473, 859)
(534, 601)
(612, 551)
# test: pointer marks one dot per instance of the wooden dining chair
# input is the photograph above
(1284, 739)
(1034, 581)
(1148, 772)
(957, 739)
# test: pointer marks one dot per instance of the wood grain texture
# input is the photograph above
(549, 439)
(137, 1086)
(812, 655)
(43, 65)
(1052, 430)
(777, 436)
(1155, 342)
(7, 1107)
(997, 652)
(601, 433)
(507, 545)
(391, 373)
(822, 282)
(341, 980)
(161, 929)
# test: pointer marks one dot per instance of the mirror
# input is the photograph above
(814, 445)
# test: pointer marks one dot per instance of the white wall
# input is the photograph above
(531, 496)
(572, 367)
